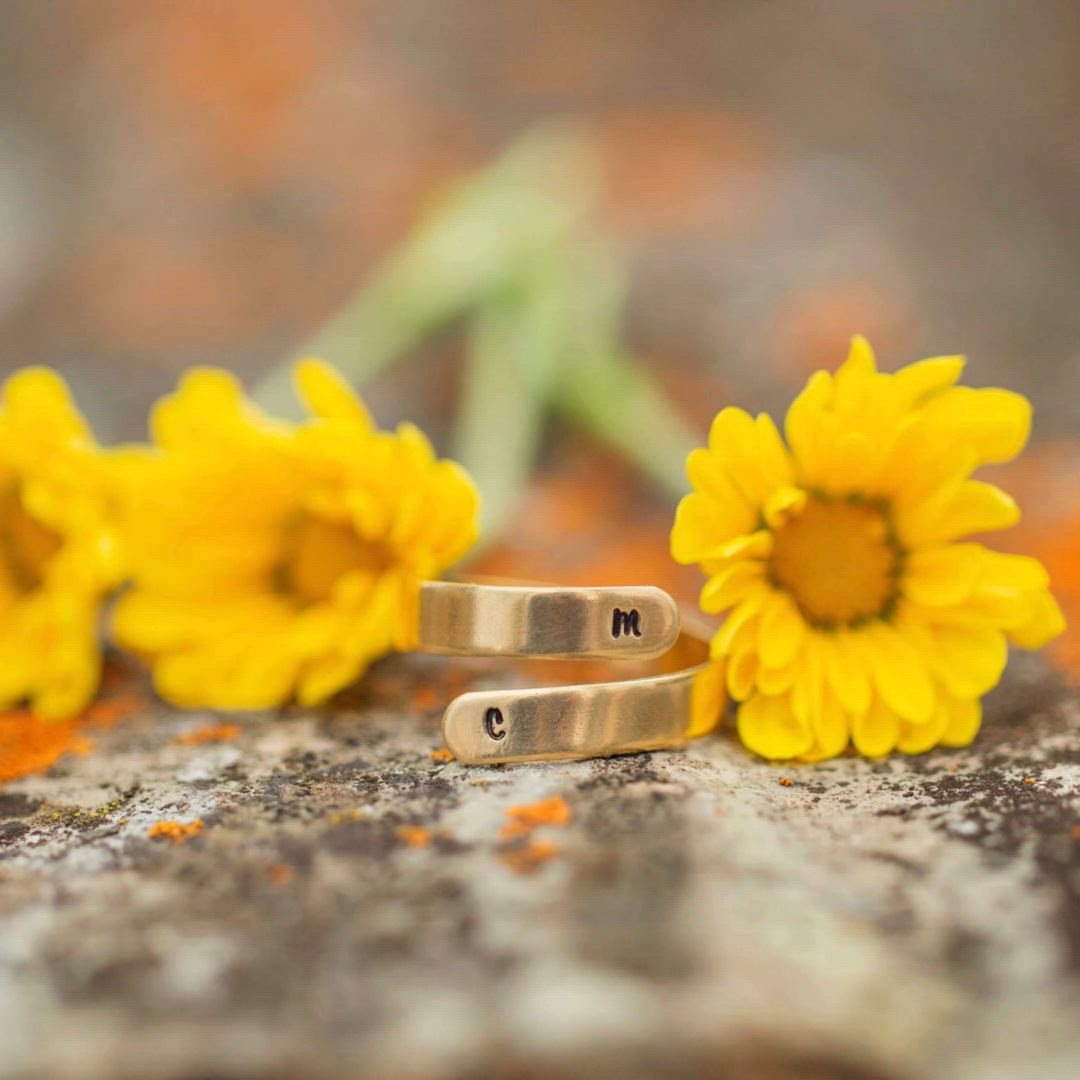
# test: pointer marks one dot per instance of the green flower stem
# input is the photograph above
(501, 414)
(613, 396)
(472, 242)
(507, 251)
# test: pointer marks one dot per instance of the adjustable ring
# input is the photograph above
(494, 727)
(529, 621)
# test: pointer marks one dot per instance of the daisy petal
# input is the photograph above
(876, 733)
(707, 701)
(918, 738)
(858, 367)
(899, 673)
(741, 620)
(731, 585)
(38, 403)
(326, 676)
(1021, 573)
(740, 675)
(752, 452)
(782, 504)
(831, 731)
(757, 545)
(918, 381)
(969, 660)
(248, 673)
(73, 677)
(779, 680)
(801, 425)
(942, 576)
(708, 474)
(846, 673)
(768, 727)
(964, 720)
(994, 423)
(808, 689)
(1044, 622)
(772, 453)
(702, 525)
(780, 632)
(206, 409)
(970, 507)
(733, 438)
(326, 394)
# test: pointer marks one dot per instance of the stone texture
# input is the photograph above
(700, 915)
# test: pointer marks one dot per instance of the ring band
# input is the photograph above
(494, 727)
(528, 621)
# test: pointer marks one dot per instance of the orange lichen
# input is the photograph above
(111, 709)
(280, 874)
(179, 832)
(666, 167)
(529, 857)
(416, 836)
(523, 819)
(208, 733)
(786, 781)
(29, 745)
(424, 699)
(442, 755)
(814, 323)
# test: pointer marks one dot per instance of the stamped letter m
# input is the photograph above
(626, 623)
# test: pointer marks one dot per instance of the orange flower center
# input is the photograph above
(839, 561)
(26, 545)
(318, 553)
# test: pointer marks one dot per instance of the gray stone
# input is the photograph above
(909, 918)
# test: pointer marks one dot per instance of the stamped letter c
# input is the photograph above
(493, 721)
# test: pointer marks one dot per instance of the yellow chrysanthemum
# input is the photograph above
(58, 554)
(854, 611)
(272, 559)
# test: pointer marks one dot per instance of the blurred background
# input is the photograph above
(210, 182)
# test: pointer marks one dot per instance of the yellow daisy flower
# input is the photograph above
(58, 556)
(854, 611)
(273, 560)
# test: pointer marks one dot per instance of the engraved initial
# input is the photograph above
(626, 623)
(493, 719)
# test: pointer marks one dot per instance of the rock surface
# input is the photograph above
(351, 905)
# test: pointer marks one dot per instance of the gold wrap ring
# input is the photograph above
(534, 621)
(551, 723)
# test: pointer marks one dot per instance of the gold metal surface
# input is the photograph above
(534, 621)
(594, 720)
